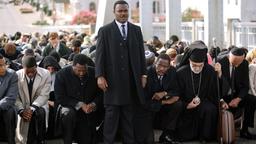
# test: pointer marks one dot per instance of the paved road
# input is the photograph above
(13, 20)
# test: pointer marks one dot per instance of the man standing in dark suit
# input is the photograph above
(120, 72)
(234, 74)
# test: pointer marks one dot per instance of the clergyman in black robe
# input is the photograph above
(197, 82)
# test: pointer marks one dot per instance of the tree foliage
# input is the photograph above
(190, 14)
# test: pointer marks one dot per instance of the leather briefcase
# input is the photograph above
(227, 127)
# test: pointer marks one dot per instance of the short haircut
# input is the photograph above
(76, 43)
(80, 59)
(164, 57)
(174, 38)
(55, 55)
(29, 61)
(53, 35)
(29, 52)
(120, 2)
(10, 46)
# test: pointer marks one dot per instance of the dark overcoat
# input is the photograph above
(121, 62)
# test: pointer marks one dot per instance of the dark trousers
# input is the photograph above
(249, 105)
(143, 126)
(115, 115)
(37, 128)
(169, 115)
(8, 120)
(198, 123)
(76, 126)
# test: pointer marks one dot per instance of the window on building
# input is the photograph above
(156, 7)
(92, 6)
(137, 4)
(236, 2)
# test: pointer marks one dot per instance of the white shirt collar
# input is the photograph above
(120, 26)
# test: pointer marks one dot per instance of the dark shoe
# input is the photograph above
(247, 135)
(167, 139)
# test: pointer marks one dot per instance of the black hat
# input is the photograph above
(199, 51)
(237, 51)
(196, 51)
(29, 61)
(198, 55)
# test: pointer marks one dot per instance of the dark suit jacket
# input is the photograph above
(121, 63)
(169, 84)
(69, 90)
(64, 51)
(8, 89)
(241, 78)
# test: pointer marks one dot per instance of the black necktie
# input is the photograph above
(232, 80)
(30, 88)
(161, 81)
(123, 31)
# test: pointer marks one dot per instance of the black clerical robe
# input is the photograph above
(199, 122)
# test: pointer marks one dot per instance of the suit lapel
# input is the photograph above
(116, 30)
(129, 31)
(36, 84)
(24, 86)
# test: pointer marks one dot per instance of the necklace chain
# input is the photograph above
(193, 85)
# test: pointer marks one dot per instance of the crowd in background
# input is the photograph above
(54, 51)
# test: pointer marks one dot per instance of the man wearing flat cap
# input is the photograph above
(198, 93)
(234, 75)
(34, 87)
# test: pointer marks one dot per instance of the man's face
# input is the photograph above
(25, 38)
(79, 70)
(121, 12)
(162, 66)
(54, 42)
(235, 60)
(51, 69)
(2, 67)
(30, 72)
(196, 67)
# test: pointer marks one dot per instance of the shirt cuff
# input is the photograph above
(32, 108)
(78, 105)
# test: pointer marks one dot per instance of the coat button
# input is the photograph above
(122, 56)
(122, 69)
(121, 44)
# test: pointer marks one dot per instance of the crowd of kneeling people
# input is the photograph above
(51, 92)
